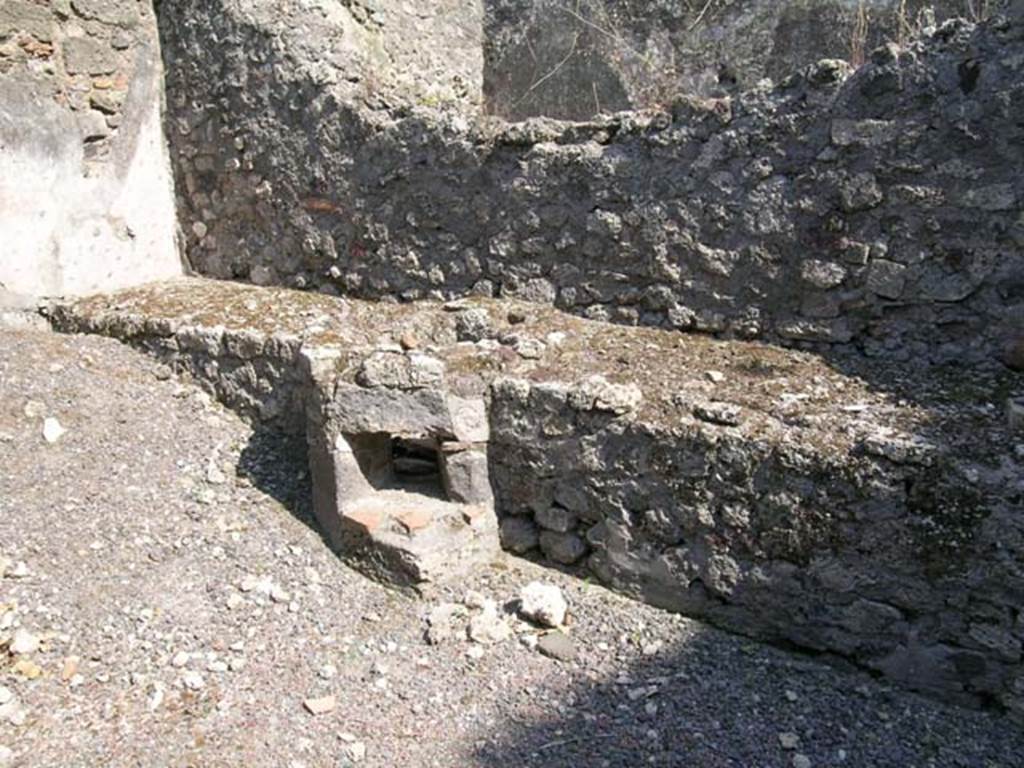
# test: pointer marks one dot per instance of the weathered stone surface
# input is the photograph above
(465, 474)
(797, 212)
(557, 645)
(85, 178)
(543, 57)
(564, 548)
(519, 535)
(886, 278)
(855, 508)
(556, 519)
(543, 603)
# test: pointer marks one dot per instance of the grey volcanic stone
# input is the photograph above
(556, 519)
(557, 645)
(519, 534)
(472, 325)
(565, 548)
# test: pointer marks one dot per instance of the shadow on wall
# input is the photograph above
(715, 701)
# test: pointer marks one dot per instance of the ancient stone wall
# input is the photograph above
(880, 209)
(86, 200)
(854, 508)
(575, 60)
(899, 554)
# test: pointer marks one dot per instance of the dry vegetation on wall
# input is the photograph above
(653, 44)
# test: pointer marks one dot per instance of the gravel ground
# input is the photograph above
(162, 556)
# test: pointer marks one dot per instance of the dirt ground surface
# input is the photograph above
(166, 600)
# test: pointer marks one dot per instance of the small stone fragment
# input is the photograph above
(320, 706)
(6, 756)
(1013, 354)
(356, 751)
(543, 604)
(214, 475)
(33, 409)
(801, 761)
(557, 645)
(789, 741)
(488, 627)
(52, 430)
(327, 672)
(725, 414)
(599, 394)
(70, 668)
(23, 643)
(27, 669)
(473, 325)
(441, 623)
(278, 594)
(193, 681)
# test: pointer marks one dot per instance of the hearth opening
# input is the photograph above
(402, 462)
(416, 465)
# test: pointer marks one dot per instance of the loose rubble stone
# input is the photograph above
(557, 645)
(52, 430)
(443, 623)
(543, 604)
(193, 681)
(356, 751)
(487, 627)
(23, 643)
(1013, 354)
(789, 740)
(718, 413)
(321, 705)
(473, 325)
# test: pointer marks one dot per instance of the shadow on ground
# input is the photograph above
(276, 462)
(719, 701)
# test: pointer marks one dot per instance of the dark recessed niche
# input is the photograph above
(416, 465)
(409, 463)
